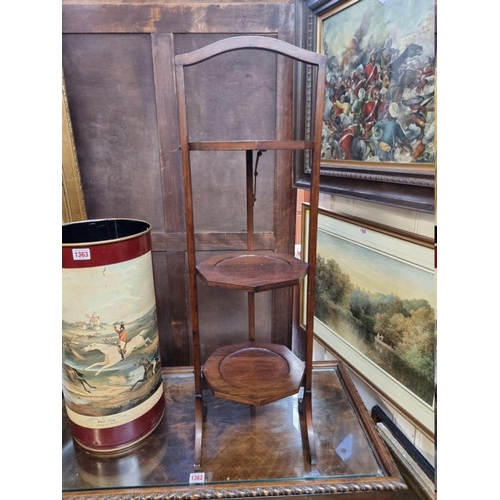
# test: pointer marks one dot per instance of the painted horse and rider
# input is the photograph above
(122, 336)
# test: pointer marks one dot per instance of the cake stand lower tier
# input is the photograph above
(254, 373)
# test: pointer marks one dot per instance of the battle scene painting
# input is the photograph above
(110, 347)
(380, 88)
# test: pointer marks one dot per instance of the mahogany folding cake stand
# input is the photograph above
(252, 372)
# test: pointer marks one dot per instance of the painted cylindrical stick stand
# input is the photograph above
(112, 381)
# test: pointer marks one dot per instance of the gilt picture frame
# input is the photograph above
(73, 202)
(375, 308)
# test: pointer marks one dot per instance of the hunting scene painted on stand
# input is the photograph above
(380, 88)
(110, 350)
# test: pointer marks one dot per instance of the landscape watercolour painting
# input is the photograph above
(375, 306)
(380, 89)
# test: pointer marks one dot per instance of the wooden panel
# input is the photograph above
(118, 63)
(178, 352)
(223, 94)
(212, 241)
(163, 313)
(110, 88)
(247, 145)
(155, 17)
(168, 135)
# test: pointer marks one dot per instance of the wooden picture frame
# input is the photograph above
(375, 308)
(359, 168)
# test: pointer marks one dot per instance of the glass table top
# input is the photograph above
(245, 448)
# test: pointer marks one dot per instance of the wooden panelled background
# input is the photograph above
(118, 66)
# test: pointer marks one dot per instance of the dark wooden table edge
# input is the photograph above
(319, 488)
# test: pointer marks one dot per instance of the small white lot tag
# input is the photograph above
(81, 253)
(197, 478)
(363, 231)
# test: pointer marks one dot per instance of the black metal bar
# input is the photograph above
(378, 415)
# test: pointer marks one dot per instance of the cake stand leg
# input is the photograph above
(198, 432)
(309, 427)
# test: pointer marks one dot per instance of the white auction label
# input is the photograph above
(197, 478)
(81, 253)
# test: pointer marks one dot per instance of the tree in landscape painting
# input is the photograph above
(333, 287)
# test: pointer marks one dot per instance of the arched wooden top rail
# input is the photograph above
(249, 42)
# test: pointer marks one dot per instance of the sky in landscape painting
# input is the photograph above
(375, 272)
